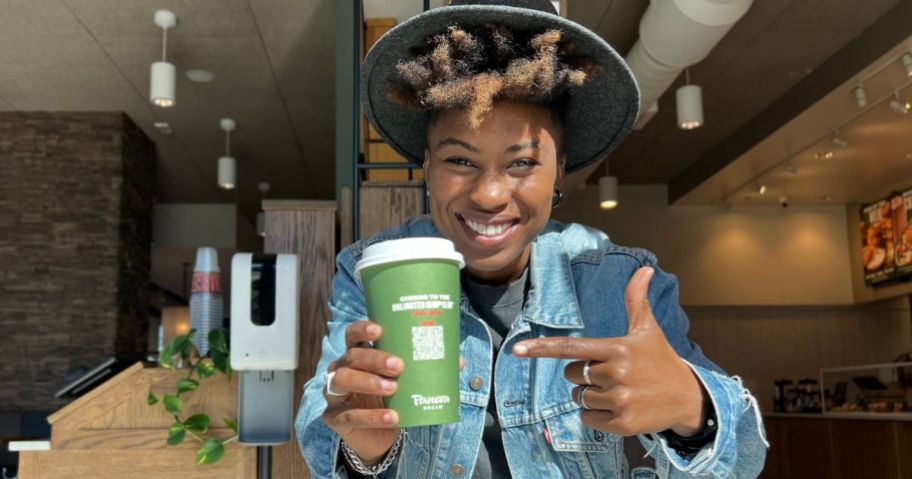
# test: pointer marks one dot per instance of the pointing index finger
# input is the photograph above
(562, 347)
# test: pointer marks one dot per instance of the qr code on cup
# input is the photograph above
(427, 343)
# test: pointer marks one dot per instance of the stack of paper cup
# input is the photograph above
(205, 298)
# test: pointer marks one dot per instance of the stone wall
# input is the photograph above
(75, 234)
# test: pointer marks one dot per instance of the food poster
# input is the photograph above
(901, 204)
(877, 252)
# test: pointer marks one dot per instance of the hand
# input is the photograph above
(366, 375)
(639, 384)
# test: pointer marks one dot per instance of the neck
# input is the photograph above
(507, 275)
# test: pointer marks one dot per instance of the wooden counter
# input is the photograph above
(827, 446)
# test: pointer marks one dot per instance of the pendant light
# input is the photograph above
(608, 187)
(689, 102)
(261, 216)
(226, 164)
(164, 75)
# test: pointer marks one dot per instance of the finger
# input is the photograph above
(563, 347)
(606, 421)
(372, 361)
(461, 363)
(348, 380)
(342, 418)
(614, 399)
(362, 332)
(636, 297)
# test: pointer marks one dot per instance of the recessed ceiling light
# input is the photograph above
(826, 198)
(824, 154)
(199, 76)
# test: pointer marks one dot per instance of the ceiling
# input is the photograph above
(274, 66)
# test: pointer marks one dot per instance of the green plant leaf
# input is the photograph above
(205, 369)
(218, 341)
(211, 451)
(186, 385)
(221, 362)
(230, 422)
(165, 357)
(151, 399)
(172, 404)
(176, 434)
(197, 423)
(182, 344)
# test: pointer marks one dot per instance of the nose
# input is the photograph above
(491, 191)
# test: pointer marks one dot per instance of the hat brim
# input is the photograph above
(599, 114)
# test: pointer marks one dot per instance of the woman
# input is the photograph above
(569, 341)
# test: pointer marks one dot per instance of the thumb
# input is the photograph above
(639, 314)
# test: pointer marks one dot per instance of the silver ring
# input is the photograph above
(586, 373)
(582, 397)
(328, 389)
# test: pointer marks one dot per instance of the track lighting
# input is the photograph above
(790, 168)
(907, 63)
(164, 75)
(838, 140)
(898, 106)
(227, 177)
(689, 102)
(861, 98)
(761, 189)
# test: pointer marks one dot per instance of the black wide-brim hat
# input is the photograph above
(598, 115)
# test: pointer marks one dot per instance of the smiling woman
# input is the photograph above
(569, 341)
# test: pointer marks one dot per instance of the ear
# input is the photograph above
(426, 165)
(559, 179)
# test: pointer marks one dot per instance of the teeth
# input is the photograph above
(487, 230)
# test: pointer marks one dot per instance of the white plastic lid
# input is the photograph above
(409, 249)
(206, 260)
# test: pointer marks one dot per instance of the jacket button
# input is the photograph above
(476, 383)
(457, 469)
(599, 436)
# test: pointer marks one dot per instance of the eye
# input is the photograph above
(459, 162)
(523, 163)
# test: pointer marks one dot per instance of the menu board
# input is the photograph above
(901, 206)
(877, 237)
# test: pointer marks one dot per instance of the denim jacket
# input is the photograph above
(577, 284)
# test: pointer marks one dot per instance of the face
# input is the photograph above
(491, 188)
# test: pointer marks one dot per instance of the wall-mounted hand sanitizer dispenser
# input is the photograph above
(264, 344)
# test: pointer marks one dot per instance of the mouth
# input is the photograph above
(489, 233)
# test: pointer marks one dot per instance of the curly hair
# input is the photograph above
(470, 69)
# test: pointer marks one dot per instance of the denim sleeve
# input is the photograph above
(739, 449)
(319, 444)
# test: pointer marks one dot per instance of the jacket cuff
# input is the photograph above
(717, 458)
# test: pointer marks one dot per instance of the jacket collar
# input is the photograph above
(552, 299)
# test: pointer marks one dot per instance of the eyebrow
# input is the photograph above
(473, 149)
(523, 146)
(454, 141)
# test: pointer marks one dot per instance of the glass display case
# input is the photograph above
(877, 389)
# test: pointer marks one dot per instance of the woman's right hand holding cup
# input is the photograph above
(364, 376)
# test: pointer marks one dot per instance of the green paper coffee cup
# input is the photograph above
(412, 290)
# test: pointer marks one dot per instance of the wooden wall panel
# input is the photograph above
(386, 207)
(238, 462)
(864, 449)
(307, 229)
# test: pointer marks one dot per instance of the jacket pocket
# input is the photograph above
(584, 452)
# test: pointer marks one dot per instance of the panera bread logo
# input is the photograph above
(430, 403)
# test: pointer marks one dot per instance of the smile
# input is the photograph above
(487, 233)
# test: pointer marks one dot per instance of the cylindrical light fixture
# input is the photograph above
(907, 63)
(861, 98)
(608, 189)
(227, 172)
(261, 223)
(227, 166)
(689, 102)
(163, 75)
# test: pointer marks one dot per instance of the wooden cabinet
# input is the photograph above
(802, 447)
